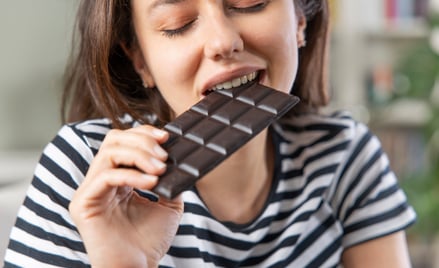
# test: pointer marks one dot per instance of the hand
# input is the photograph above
(120, 228)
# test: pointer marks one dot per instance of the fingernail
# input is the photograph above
(151, 178)
(157, 163)
(158, 133)
(160, 151)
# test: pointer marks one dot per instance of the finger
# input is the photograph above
(96, 196)
(156, 133)
(133, 157)
(160, 136)
(120, 157)
(130, 177)
(111, 179)
(137, 138)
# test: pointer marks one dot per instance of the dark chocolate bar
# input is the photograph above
(213, 129)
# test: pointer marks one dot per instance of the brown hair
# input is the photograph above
(311, 83)
(100, 80)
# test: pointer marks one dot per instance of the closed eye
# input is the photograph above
(249, 9)
(179, 30)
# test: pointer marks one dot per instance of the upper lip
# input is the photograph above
(226, 76)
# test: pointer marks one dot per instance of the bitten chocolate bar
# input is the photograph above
(213, 129)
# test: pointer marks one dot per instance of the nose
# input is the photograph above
(223, 38)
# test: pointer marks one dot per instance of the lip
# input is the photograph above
(227, 76)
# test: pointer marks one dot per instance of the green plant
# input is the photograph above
(421, 67)
(423, 194)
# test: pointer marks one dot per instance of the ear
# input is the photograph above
(301, 28)
(135, 54)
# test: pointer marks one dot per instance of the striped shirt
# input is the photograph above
(332, 189)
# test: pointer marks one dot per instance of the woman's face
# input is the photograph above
(188, 47)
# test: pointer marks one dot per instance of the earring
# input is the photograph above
(301, 43)
(145, 85)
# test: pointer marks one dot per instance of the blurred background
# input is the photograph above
(384, 70)
(35, 39)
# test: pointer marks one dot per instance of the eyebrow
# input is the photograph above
(164, 2)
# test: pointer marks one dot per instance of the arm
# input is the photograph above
(387, 252)
(372, 207)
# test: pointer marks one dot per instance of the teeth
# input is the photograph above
(236, 82)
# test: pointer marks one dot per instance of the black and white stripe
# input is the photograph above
(333, 189)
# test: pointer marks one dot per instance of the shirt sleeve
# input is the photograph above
(368, 199)
(44, 234)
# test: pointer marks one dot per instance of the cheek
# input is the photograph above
(276, 41)
(279, 46)
(168, 65)
(172, 71)
(288, 58)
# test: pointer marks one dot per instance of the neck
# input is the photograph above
(244, 178)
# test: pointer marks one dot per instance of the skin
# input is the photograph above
(386, 252)
(223, 46)
(217, 46)
(185, 48)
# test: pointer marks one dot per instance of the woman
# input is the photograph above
(309, 191)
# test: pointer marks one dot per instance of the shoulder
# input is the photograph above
(338, 139)
(335, 148)
(335, 122)
(71, 151)
(93, 131)
(312, 130)
(90, 132)
(316, 148)
(352, 171)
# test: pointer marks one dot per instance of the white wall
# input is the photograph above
(35, 39)
(34, 46)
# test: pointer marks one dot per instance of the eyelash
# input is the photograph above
(178, 31)
(254, 8)
(181, 30)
